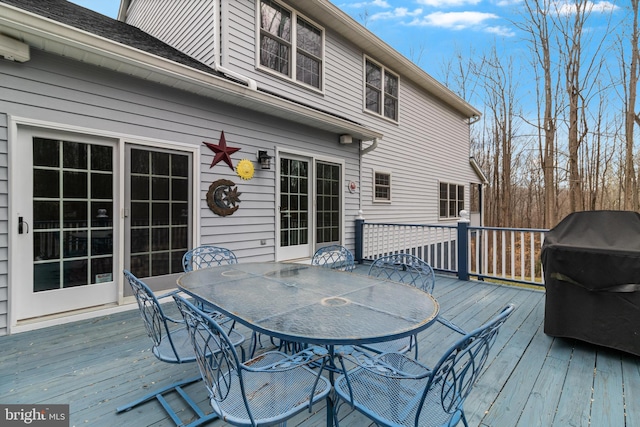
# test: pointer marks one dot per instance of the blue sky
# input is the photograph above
(429, 32)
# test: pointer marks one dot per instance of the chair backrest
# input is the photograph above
(335, 257)
(405, 268)
(207, 256)
(154, 319)
(217, 358)
(455, 374)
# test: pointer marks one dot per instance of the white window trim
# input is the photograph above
(294, 34)
(364, 90)
(464, 200)
(373, 182)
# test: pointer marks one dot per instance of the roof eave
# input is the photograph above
(333, 17)
(52, 36)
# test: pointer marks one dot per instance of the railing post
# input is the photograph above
(463, 243)
(359, 237)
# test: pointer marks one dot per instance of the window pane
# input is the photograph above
(45, 152)
(139, 161)
(374, 75)
(373, 100)
(391, 108)
(74, 155)
(45, 183)
(308, 70)
(390, 85)
(275, 20)
(309, 38)
(101, 158)
(274, 55)
(74, 184)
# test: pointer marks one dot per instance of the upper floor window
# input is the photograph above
(381, 91)
(451, 200)
(290, 45)
(381, 186)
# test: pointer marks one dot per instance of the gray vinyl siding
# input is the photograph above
(71, 93)
(428, 144)
(186, 25)
(4, 225)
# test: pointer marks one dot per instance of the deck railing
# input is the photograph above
(502, 254)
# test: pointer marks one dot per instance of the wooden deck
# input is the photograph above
(530, 380)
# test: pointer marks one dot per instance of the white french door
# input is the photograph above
(310, 205)
(295, 207)
(63, 206)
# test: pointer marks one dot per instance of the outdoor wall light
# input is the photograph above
(264, 159)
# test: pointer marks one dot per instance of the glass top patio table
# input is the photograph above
(311, 304)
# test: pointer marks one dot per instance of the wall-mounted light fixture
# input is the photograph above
(264, 159)
(346, 139)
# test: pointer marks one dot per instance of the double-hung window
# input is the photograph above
(381, 90)
(451, 200)
(290, 45)
(381, 186)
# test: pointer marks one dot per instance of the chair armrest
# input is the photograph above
(449, 324)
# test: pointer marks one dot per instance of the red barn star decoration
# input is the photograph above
(222, 151)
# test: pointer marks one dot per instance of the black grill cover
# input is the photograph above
(591, 263)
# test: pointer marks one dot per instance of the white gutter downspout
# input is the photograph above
(217, 53)
(250, 82)
(370, 148)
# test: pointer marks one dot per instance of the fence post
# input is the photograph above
(359, 237)
(463, 243)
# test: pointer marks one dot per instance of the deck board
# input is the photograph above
(531, 379)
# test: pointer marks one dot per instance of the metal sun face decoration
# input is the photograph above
(245, 169)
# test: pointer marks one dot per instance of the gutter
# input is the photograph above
(217, 54)
(67, 41)
(370, 148)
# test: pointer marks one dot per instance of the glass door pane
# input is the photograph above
(294, 208)
(328, 212)
(159, 211)
(72, 214)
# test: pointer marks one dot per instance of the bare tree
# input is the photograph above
(500, 98)
(537, 26)
(631, 117)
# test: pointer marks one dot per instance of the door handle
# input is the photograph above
(22, 225)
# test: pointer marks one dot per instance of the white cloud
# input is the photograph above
(500, 30)
(566, 8)
(442, 4)
(505, 3)
(399, 12)
(377, 3)
(454, 20)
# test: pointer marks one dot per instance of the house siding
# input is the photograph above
(4, 225)
(190, 27)
(428, 144)
(73, 94)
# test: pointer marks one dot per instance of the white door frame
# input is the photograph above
(312, 157)
(120, 140)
